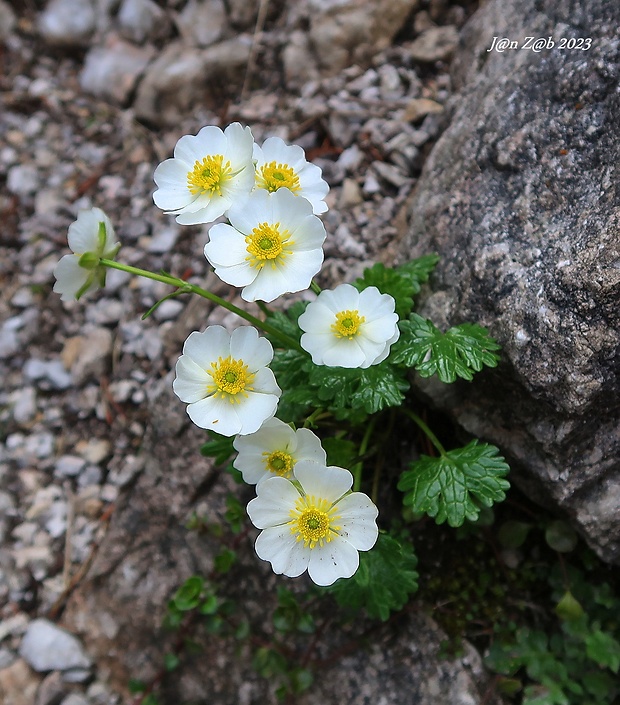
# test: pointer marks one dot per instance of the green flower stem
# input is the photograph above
(357, 468)
(264, 308)
(315, 416)
(429, 434)
(186, 287)
(315, 287)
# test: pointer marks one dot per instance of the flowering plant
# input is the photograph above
(308, 408)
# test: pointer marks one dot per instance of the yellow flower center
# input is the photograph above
(347, 324)
(312, 521)
(279, 463)
(267, 243)
(231, 379)
(209, 175)
(273, 176)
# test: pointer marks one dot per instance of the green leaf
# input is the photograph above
(402, 283)
(384, 580)
(561, 537)
(136, 686)
(340, 451)
(370, 390)
(225, 560)
(459, 352)
(188, 595)
(235, 513)
(301, 679)
(451, 487)
(568, 608)
(210, 605)
(291, 369)
(219, 447)
(289, 616)
(171, 661)
(512, 534)
(600, 684)
(603, 649)
(286, 322)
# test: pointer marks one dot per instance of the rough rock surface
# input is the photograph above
(520, 198)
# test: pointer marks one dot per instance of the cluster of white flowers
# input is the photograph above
(271, 245)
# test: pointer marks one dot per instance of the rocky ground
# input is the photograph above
(94, 95)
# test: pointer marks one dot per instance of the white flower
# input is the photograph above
(348, 328)
(209, 172)
(225, 381)
(274, 245)
(274, 450)
(318, 527)
(91, 237)
(280, 165)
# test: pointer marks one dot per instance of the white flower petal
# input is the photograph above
(336, 559)
(299, 268)
(268, 284)
(381, 329)
(344, 353)
(275, 149)
(83, 235)
(265, 382)
(272, 435)
(215, 414)
(209, 141)
(191, 382)
(278, 546)
(253, 410)
(370, 350)
(329, 483)
(252, 467)
(316, 345)
(317, 318)
(246, 344)
(309, 447)
(357, 520)
(70, 277)
(287, 206)
(226, 245)
(207, 347)
(272, 506)
(240, 144)
(345, 297)
(375, 304)
(309, 234)
(386, 351)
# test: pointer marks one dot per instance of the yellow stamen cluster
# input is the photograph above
(273, 176)
(231, 379)
(279, 463)
(266, 243)
(312, 521)
(347, 324)
(209, 175)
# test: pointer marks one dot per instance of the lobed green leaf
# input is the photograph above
(370, 390)
(451, 487)
(384, 580)
(459, 352)
(402, 282)
(218, 447)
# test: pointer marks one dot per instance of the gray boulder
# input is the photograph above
(520, 198)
